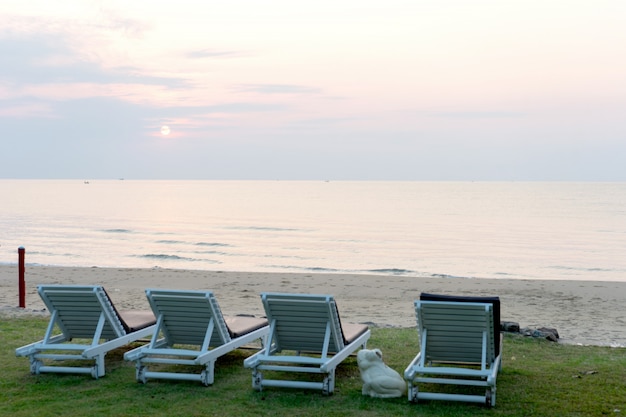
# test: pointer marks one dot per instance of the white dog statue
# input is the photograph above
(379, 380)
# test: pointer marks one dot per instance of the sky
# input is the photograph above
(531, 90)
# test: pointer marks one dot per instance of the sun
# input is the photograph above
(165, 130)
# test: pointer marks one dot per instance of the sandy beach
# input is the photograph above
(583, 312)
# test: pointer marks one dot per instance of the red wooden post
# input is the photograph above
(22, 283)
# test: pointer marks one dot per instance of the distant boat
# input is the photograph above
(85, 182)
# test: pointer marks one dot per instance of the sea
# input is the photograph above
(501, 230)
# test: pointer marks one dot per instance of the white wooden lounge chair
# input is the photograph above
(307, 329)
(460, 344)
(191, 330)
(84, 325)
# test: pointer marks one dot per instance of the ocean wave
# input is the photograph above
(263, 228)
(53, 254)
(449, 276)
(304, 268)
(582, 269)
(211, 252)
(164, 256)
(168, 257)
(117, 231)
(321, 269)
(212, 244)
(391, 271)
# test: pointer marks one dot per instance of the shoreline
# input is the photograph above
(583, 312)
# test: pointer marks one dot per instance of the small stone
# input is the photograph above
(547, 333)
(509, 326)
(549, 330)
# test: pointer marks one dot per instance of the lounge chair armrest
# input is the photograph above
(119, 342)
(28, 349)
(133, 355)
(339, 357)
(252, 361)
(410, 372)
(34, 347)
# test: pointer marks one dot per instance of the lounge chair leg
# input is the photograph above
(257, 378)
(35, 364)
(98, 369)
(140, 373)
(412, 392)
(208, 374)
(329, 383)
(490, 397)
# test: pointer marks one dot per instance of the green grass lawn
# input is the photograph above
(538, 378)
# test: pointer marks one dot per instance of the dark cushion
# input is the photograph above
(495, 301)
(242, 325)
(351, 331)
(134, 320)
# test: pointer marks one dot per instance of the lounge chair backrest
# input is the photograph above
(460, 344)
(77, 310)
(493, 300)
(183, 317)
(300, 322)
(456, 332)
